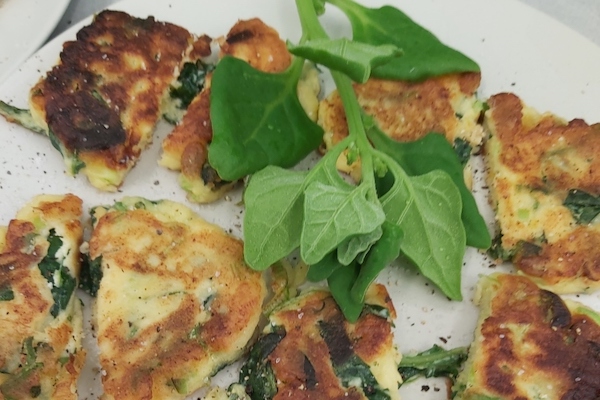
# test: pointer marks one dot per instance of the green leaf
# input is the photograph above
(324, 268)
(273, 219)
(584, 206)
(424, 55)
(386, 250)
(257, 120)
(435, 362)
(354, 59)
(352, 247)
(427, 207)
(333, 213)
(340, 283)
(430, 153)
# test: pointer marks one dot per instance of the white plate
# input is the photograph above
(24, 27)
(519, 50)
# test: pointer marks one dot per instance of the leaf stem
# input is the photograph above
(356, 128)
(311, 27)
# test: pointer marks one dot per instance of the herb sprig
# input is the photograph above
(411, 200)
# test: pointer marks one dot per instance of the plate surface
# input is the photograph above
(518, 49)
(24, 27)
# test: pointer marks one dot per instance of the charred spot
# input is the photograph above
(337, 340)
(83, 122)
(240, 36)
(210, 176)
(310, 374)
(528, 249)
(142, 23)
(582, 392)
(594, 350)
(557, 313)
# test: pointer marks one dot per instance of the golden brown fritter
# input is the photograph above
(530, 344)
(176, 301)
(535, 163)
(41, 353)
(101, 102)
(314, 347)
(258, 44)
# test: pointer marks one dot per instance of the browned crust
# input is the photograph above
(576, 256)
(562, 346)
(103, 98)
(406, 111)
(201, 48)
(528, 149)
(258, 44)
(369, 337)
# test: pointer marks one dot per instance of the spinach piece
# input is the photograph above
(180, 385)
(252, 131)
(21, 117)
(376, 310)
(190, 82)
(435, 362)
(12, 387)
(6, 293)
(463, 149)
(349, 368)
(584, 206)
(90, 275)
(70, 157)
(61, 293)
(498, 252)
(415, 192)
(256, 373)
(424, 55)
(58, 276)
